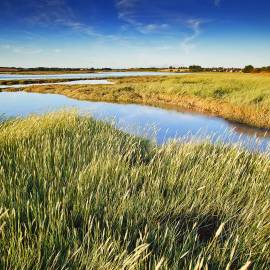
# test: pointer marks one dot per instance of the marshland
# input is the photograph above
(134, 135)
(75, 188)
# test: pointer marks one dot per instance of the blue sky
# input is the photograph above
(134, 33)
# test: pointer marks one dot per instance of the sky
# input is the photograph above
(134, 33)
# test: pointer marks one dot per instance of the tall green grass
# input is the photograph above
(78, 194)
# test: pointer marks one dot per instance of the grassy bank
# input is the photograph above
(244, 98)
(78, 194)
(38, 81)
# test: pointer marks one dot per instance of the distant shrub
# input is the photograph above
(248, 69)
(195, 68)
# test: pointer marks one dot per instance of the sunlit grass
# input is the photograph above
(78, 194)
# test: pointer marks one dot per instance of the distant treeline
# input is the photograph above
(74, 69)
(195, 68)
(246, 69)
(45, 69)
(192, 68)
(251, 69)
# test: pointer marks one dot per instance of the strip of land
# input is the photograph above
(31, 81)
(243, 98)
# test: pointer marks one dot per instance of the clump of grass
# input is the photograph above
(78, 194)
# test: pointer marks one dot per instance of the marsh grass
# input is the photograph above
(79, 194)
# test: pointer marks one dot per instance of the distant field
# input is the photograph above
(76, 71)
(244, 98)
(78, 194)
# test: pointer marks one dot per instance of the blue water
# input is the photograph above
(158, 124)
(84, 75)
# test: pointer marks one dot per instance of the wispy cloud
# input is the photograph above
(59, 13)
(48, 12)
(150, 28)
(127, 12)
(195, 26)
(78, 27)
(57, 50)
(29, 50)
(217, 2)
(20, 49)
(6, 46)
(126, 3)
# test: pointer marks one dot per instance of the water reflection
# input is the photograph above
(163, 124)
(83, 75)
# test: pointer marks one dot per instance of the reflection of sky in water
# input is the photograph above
(83, 75)
(136, 119)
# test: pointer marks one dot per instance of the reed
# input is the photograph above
(76, 193)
